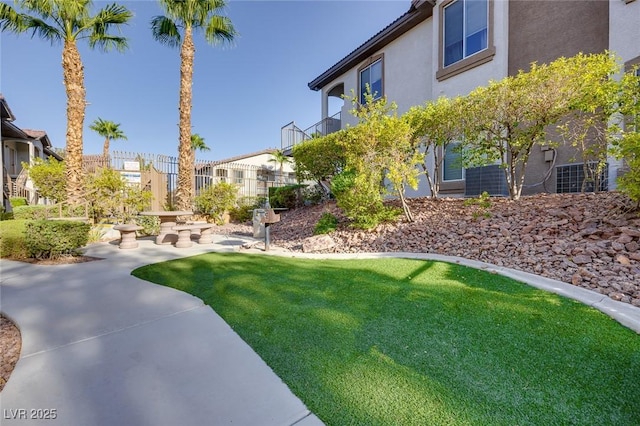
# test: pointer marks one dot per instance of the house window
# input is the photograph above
(466, 25)
(238, 176)
(222, 175)
(452, 163)
(571, 178)
(465, 36)
(370, 75)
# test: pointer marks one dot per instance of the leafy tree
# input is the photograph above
(217, 199)
(593, 95)
(198, 144)
(183, 18)
(380, 146)
(627, 145)
(111, 196)
(506, 119)
(49, 177)
(278, 157)
(109, 131)
(320, 158)
(435, 126)
(68, 21)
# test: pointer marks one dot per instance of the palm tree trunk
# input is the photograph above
(73, 72)
(184, 191)
(105, 149)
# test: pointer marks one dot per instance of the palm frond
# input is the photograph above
(101, 23)
(113, 14)
(42, 29)
(165, 31)
(108, 42)
(10, 19)
(220, 30)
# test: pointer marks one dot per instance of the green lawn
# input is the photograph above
(399, 342)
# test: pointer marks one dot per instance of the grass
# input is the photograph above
(400, 342)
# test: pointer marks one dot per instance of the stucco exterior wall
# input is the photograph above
(407, 71)
(546, 30)
(350, 82)
(261, 160)
(624, 35)
(408, 67)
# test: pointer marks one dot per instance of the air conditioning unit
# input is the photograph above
(488, 179)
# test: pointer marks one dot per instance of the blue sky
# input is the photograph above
(243, 94)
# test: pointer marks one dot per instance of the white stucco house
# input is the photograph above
(450, 47)
(20, 146)
(254, 173)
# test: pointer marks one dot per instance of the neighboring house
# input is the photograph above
(450, 47)
(254, 173)
(20, 146)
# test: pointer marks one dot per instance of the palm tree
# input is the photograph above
(183, 17)
(281, 159)
(110, 131)
(198, 144)
(68, 21)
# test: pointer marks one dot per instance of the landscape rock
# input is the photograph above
(567, 237)
(318, 243)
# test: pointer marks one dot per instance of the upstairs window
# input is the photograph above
(466, 24)
(371, 75)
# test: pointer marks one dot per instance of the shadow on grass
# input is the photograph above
(402, 341)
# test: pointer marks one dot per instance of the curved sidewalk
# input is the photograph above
(101, 347)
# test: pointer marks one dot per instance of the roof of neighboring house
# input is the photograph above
(237, 158)
(419, 11)
(40, 135)
(5, 111)
(10, 130)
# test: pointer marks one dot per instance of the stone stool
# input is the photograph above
(128, 235)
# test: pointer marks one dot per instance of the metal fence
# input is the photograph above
(291, 135)
(159, 174)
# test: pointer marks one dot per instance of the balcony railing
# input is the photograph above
(291, 135)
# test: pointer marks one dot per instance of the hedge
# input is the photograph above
(12, 239)
(48, 239)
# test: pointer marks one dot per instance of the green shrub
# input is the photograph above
(216, 199)
(112, 197)
(4, 215)
(49, 239)
(30, 212)
(150, 224)
(326, 224)
(358, 195)
(12, 241)
(18, 201)
(484, 204)
(629, 182)
(49, 176)
(287, 197)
